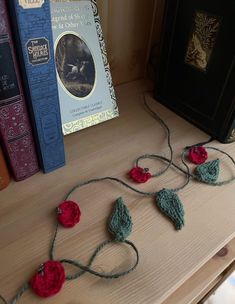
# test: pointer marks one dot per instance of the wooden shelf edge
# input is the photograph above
(205, 279)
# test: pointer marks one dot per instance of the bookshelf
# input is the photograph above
(168, 258)
(171, 263)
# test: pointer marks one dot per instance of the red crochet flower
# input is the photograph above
(68, 214)
(49, 279)
(140, 175)
(197, 155)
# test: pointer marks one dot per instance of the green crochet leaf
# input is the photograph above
(208, 172)
(170, 205)
(120, 223)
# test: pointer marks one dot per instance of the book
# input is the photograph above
(32, 26)
(15, 129)
(86, 91)
(4, 173)
(197, 67)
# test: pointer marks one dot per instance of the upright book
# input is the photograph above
(15, 129)
(86, 91)
(197, 72)
(32, 25)
(4, 173)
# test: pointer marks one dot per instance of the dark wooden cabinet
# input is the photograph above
(197, 64)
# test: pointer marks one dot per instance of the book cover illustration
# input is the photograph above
(15, 128)
(86, 91)
(32, 22)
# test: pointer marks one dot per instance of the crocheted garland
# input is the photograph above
(68, 214)
(167, 200)
(197, 155)
(50, 277)
(140, 175)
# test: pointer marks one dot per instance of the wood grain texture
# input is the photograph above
(167, 257)
(127, 30)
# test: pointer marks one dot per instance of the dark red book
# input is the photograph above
(15, 129)
(4, 173)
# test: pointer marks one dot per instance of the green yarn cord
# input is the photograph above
(4, 301)
(20, 293)
(24, 288)
(187, 172)
(168, 202)
(52, 248)
(120, 223)
(168, 135)
(107, 178)
(208, 172)
(101, 274)
(170, 205)
(92, 258)
(86, 268)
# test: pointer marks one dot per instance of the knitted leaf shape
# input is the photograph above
(169, 204)
(120, 223)
(208, 172)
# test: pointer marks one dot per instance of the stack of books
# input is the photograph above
(54, 80)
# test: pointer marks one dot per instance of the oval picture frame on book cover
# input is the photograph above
(84, 63)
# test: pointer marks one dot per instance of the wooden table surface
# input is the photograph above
(167, 257)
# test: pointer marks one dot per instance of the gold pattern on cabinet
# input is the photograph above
(202, 40)
(232, 135)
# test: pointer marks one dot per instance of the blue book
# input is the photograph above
(32, 27)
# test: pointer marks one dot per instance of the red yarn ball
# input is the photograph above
(139, 175)
(69, 214)
(197, 155)
(49, 279)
